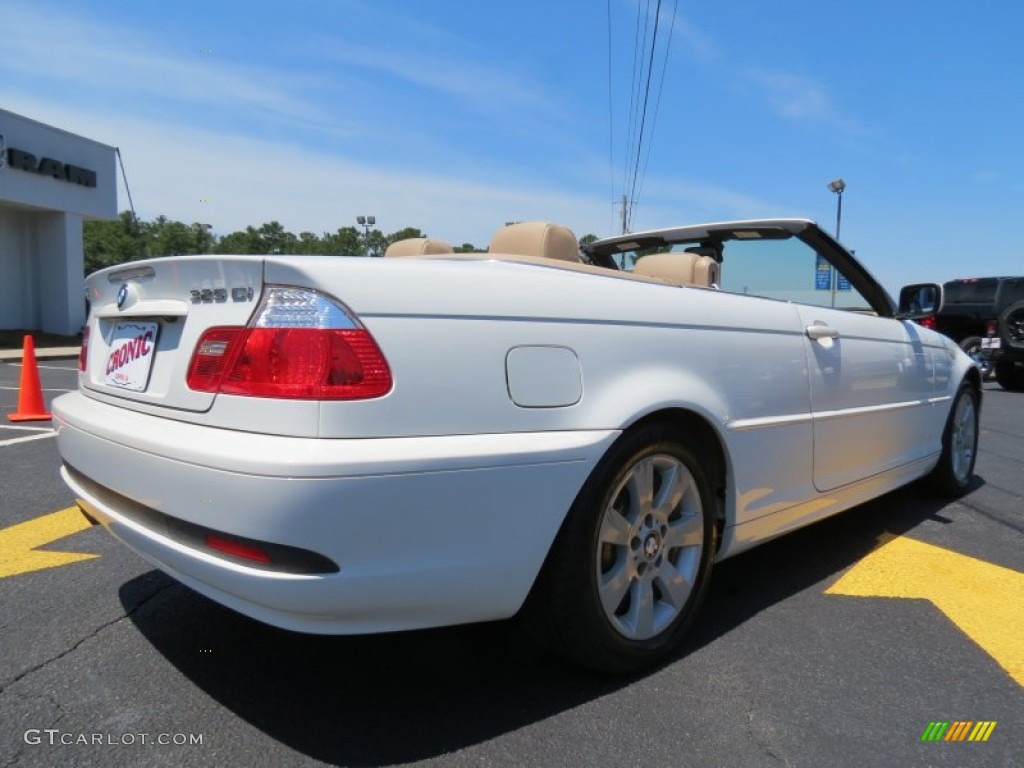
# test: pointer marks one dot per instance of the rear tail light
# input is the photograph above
(992, 328)
(83, 353)
(210, 358)
(300, 344)
(929, 322)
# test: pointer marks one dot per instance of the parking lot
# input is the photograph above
(836, 645)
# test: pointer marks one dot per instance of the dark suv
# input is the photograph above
(1003, 345)
(968, 306)
(970, 313)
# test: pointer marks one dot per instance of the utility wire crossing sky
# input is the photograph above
(457, 117)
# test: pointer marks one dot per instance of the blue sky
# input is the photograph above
(457, 116)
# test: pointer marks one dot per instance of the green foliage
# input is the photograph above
(113, 242)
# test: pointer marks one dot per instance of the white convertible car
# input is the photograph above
(351, 445)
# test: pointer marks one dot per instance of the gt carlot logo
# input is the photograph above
(958, 730)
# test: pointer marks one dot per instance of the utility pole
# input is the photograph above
(625, 215)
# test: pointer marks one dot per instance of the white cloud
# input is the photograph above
(250, 180)
(112, 60)
(476, 84)
(693, 202)
(796, 97)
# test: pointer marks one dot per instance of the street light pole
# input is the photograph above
(366, 222)
(837, 186)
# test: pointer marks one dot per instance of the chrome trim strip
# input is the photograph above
(763, 422)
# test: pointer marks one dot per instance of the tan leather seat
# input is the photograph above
(418, 246)
(680, 268)
(537, 238)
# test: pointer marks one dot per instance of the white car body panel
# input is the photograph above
(440, 500)
(877, 377)
(408, 520)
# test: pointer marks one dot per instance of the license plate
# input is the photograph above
(991, 343)
(132, 349)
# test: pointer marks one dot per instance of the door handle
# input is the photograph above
(818, 330)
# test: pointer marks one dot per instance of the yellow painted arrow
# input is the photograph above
(985, 601)
(18, 553)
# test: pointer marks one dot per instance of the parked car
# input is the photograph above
(1003, 345)
(352, 445)
(969, 311)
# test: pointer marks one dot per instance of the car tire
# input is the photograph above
(1011, 326)
(633, 559)
(953, 474)
(1009, 376)
(972, 348)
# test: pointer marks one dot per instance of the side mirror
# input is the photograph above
(919, 300)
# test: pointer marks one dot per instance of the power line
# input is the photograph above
(611, 120)
(657, 102)
(125, 177)
(634, 92)
(643, 112)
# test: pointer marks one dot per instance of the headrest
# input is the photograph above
(537, 238)
(680, 268)
(417, 246)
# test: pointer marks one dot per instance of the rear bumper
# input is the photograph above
(426, 531)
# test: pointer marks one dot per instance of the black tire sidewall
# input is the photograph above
(581, 626)
(1004, 329)
(944, 479)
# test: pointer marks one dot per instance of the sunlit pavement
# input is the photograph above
(838, 645)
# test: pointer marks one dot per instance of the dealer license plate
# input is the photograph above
(132, 349)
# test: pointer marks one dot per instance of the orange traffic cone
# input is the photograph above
(30, 395)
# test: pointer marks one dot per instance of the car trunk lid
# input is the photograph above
(146, 319)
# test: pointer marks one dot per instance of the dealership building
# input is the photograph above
(50, 182)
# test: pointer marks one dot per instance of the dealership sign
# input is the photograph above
(45, 166)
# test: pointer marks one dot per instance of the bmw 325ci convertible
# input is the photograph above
(354, 445)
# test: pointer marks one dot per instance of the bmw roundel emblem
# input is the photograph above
(122, 295)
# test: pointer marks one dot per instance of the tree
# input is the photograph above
(106, 243)
(345, 242)
(375, 243)
(239, 242)
(308, 243)
(112, 242)
(169, 238)
(405, 234)
(274, 238)
(587, 239)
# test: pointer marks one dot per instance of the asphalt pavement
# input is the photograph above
(105, 658)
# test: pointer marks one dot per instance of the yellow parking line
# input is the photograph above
(985, 601)
(18, 553)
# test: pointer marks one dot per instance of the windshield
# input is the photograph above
(978, 291)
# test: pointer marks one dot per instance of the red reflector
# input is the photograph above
(237, 548)
(83, 353)
(992, 328)
(929, 322)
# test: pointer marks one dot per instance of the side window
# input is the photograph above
(788, 270)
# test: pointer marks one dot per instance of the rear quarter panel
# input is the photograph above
(641, 348)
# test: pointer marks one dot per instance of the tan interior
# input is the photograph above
(537, 238)
(680, 268)
(418, 246)
(551, 245)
